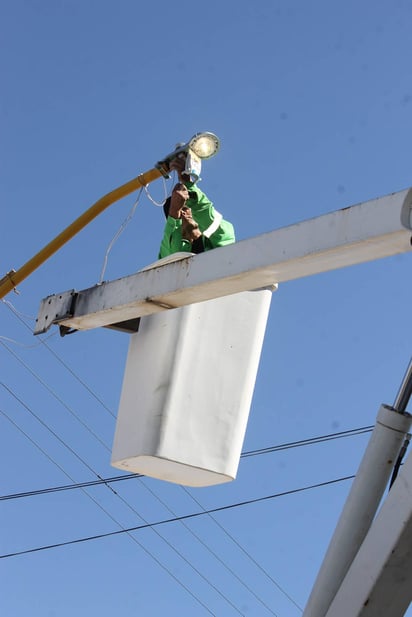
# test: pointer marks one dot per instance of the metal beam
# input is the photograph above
(379, 581)
(364, 232)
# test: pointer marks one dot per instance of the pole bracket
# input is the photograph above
(9, 277)
(54, 308)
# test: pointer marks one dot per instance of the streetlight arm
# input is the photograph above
(13, 278)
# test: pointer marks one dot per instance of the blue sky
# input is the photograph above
(313, 106)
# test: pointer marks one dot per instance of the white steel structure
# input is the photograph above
(368, 231)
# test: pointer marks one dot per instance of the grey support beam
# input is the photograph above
(364, 232)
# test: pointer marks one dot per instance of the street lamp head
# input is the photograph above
(204, 145)
(201, 146)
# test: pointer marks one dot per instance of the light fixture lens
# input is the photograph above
(204, 145)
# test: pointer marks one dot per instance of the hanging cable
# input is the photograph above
(207, 547)
(118, 233)
(180, 518)
(93, 483)
(21, 315)
(43, 383)
(310, 441)
(61, 361)
(142, 518)
(159, 204)
(188, 528)
(224, 597)
(269, 450)
(244, 551)
(126, 503)
(252, 453)
(15, 311)
(122, 528)
(127, 221)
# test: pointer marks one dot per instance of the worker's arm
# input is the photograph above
(172, 241)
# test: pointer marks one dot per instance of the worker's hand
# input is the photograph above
(178, 165)
(178, 200)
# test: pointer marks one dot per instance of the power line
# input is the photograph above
(122, 528)
(270, 449)
(244, 551)
(178, 518)
(129, 476)
(207, 547)
(121, 498)
(247, 454)
(310, 441)
(53, 393)
(137, 475)
(135, 511)
(92, 483)
(57, 357)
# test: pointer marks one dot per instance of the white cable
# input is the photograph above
(11, 340)
(154, 202)
(117, 234)
(15, 311)
(22, 315)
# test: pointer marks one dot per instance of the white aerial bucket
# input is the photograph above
(187, 390)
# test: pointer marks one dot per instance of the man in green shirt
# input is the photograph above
(193, 225)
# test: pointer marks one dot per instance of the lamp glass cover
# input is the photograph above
(204, 145)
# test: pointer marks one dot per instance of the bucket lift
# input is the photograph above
(187, 389)
(171, 404)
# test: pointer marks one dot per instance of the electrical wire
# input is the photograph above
(246, 454)
(310, 441)
(118, 234)
(16, 312)
(157, 497)
(207, 547)
(251, 453)
(84, 484)
(268, 450)
(122, 528)
(150, 198)
(60, 360)
(119, 496)
(11, 340)
(196, 570)
(179, 518)
(209, 513)
(255, 452)
(53, 393)
(244, 551)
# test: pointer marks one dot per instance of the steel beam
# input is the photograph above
(364, 232)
